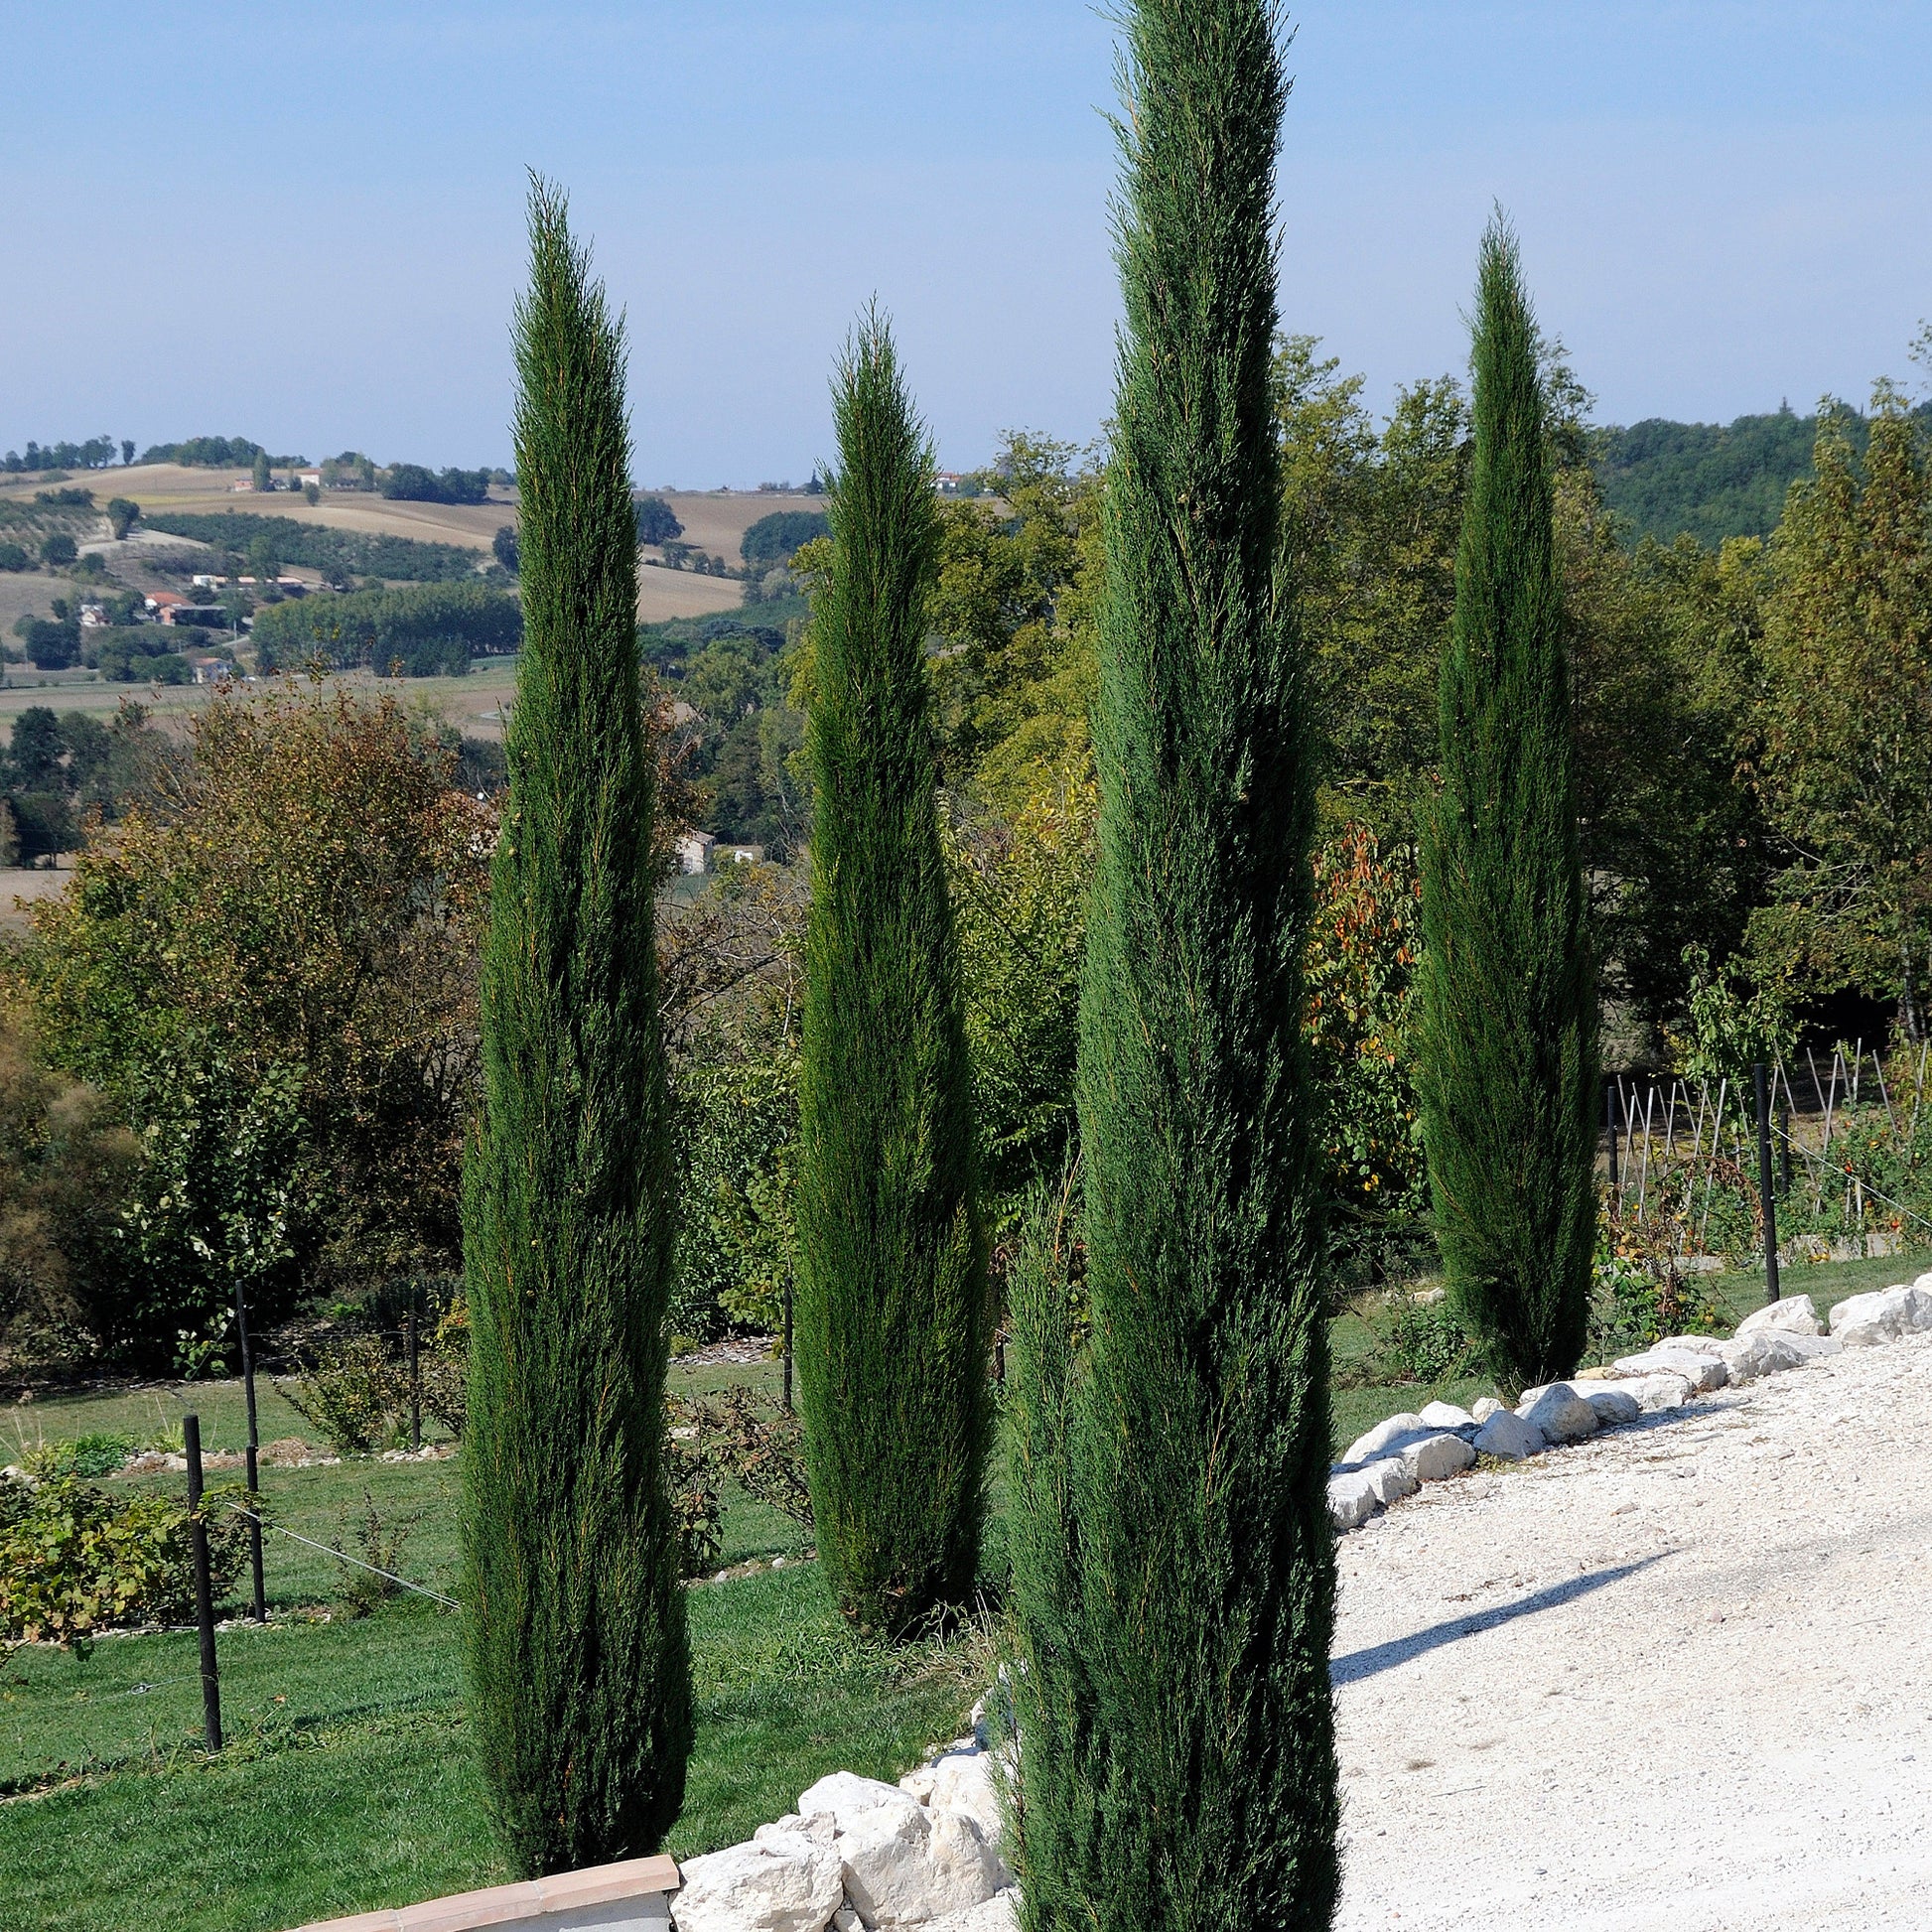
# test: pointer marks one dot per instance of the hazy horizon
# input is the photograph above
(308, 228)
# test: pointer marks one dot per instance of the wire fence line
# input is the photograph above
(340, 1556)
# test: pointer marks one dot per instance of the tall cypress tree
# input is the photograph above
(1174, 1563)
(579, 1668)
(1509, 1046)
(891, 1322)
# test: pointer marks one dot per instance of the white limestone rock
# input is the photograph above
(1702, 1372)
(904, 1865)
(1483, 1408)
(789, 1884)
(1665, 1389)
(1445, 1414)
(845, 1919)
(966, 1781)
(1000, 1913)
(1436, 1457)
(1385, 1438)
(1391, 1479)
(1767, 1351)
(1867, 1321)
(1559, 1413)
(1353, 1497)
(1508, 1436)
(1794, 1315)
(1692, 1345)
(844, 1795)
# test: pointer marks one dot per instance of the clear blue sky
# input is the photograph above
(301, 224)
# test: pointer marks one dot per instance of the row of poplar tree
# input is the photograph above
(1172, 1581)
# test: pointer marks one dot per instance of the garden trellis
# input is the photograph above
(1846, 1129)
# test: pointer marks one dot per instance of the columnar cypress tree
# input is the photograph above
(1509, 1049)
(890, 1316)
(580, 1677)
(1174, 1563)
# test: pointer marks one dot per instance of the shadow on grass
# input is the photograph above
(1359, 1664)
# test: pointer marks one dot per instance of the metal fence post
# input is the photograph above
(254, 1479)
(190, 1437)
(1765, 1194)
(1610, 1120)
(415, 1377)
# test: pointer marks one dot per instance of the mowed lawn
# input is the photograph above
(349, 1781)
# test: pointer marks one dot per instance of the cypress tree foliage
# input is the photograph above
(579, 1667)
(1509, 1046)
(891, 1320)
(1174, 1563)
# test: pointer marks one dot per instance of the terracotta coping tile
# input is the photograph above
(526, 1903)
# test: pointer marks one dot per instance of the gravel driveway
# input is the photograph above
(1675, 1677)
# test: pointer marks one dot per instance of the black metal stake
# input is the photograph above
(190, 1437)
(787, 1348)
(415, 1381)
(1766, 1196)
(254, 1480)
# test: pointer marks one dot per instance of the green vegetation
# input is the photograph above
(327, 1033)
(1508, 1060)
(579, 1665)
(890, 1328)
(414, 631)
(410, 483)
(211, 453)
(97, 453)
(657, 521)
(338, 554)
(1172, 1534)
(777, 538)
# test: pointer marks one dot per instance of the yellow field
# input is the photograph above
(714, 520)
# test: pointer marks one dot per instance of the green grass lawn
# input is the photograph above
(347, 1783)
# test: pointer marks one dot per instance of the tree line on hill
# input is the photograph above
(413, 630)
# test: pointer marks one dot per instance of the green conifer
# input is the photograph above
(1173, 1562)
(579, 1668)
(1509, 1048)
(890, 1324)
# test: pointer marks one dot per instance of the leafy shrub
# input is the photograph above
(99, 1455)
(761, 1449)
(74, 1560)
(379, 1545)
(1426, 1343)
(354, 1395)
(694, 1504)
(58, 550)
(13, 557)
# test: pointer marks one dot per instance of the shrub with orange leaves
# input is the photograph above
(1363, 944)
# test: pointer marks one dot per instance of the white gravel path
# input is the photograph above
(1675, 1677)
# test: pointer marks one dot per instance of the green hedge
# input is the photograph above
(428, 630)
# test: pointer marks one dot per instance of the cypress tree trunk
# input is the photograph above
(890, 1324)
(579, 1670)
(1509, 1053)
(1174, 1563)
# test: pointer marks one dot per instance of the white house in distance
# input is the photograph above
(694, 851)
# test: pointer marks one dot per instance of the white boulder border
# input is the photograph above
(862, 1855)
(1397, 1457)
